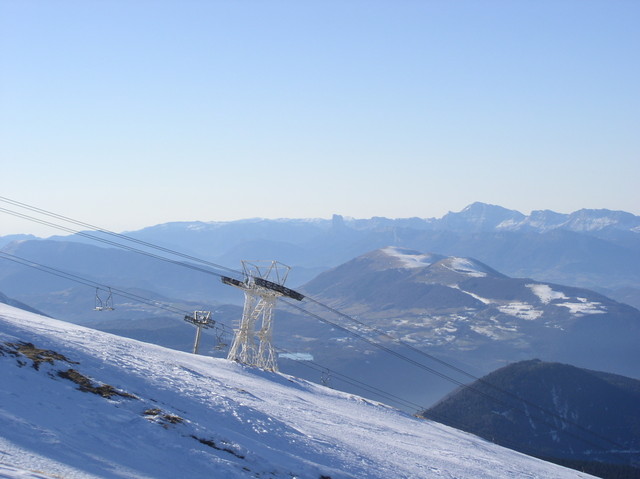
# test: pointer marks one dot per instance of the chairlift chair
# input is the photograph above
(107, 304)
(220, 344)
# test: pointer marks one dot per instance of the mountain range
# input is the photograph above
(457, 309)
(480, 323)
(597, 249)
(382, 317)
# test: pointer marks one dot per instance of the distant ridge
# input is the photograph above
(475, 217)
(601, 430)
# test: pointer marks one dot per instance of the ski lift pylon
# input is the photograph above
(201, 319)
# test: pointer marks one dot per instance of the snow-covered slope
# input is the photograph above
(77, 403)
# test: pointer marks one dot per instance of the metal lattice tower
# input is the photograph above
(263, 285)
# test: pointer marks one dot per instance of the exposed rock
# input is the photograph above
(86, 385)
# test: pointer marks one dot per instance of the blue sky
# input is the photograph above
(132, 113)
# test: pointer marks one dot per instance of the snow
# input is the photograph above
(584, 306)
(496, 332)
(198, 227)
(195, 416)
(508, 224)
(520, 310)
(545, 293)
(479, 298)
(466, 266)
(577, 306)
(408, 259)
(297, 356)
(473, 295)
(10, 472)
(587, 223)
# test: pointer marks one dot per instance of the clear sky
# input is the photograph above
(128, 113)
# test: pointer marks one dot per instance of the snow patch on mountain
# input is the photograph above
(408, 259)
(545, 293)
(473, 295)
(584, 306)
(467, 267)
(508, 224)
(520, 310)
(197, 227)
(494, 330)
(592, 224)
(577, 306)
(297, 356)
(596, 220)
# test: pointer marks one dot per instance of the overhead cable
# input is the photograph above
(329, 308)
(111, 233)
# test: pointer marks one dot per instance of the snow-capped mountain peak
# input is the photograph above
(583, 221)
(479, 217)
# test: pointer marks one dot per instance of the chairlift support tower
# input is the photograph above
(201, 319)
(263, 285)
